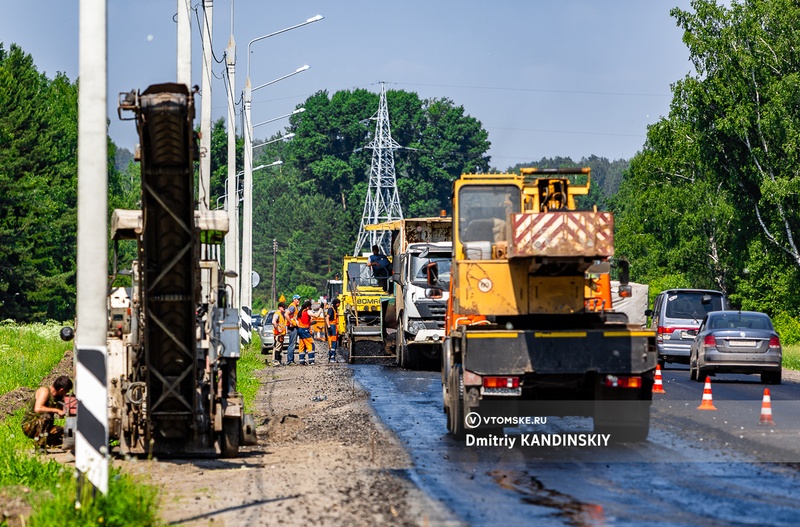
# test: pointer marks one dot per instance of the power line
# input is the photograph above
(574, 132)
(536, 90)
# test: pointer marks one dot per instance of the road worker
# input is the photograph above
(306, 341)
(332, 323)
(38, 423)
(291, 328)
(279, 323)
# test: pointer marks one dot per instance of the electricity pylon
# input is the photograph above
(382, 203)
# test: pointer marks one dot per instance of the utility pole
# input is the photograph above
(91, 388)
(184, 18)
(382, 203)
(232, 238)
(274, 266)
(205, 109)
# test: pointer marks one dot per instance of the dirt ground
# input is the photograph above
(322, 458)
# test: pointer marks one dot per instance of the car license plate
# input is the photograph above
(742, 343)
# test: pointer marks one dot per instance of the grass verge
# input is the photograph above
(28, 353)
(43, 489)
(791, 356)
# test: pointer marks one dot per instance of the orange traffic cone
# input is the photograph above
(706, 403)
(766, 410)
(658, 386)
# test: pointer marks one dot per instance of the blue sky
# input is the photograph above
(545, 77)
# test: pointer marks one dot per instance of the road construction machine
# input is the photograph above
(173, 337)
(531, 330)
(361, 324)
(419, 310)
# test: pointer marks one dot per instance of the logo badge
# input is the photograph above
(472, 420)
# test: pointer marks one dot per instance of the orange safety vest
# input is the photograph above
(292, 318)
(334, 320)
(280, 327)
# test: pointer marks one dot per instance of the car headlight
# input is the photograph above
(415, 326)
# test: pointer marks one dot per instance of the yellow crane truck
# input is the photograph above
(530, 328)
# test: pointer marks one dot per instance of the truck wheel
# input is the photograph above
(445, 370)
(455, 421)
(229, 439)
(402, 347)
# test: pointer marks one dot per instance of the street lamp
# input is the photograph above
(282, 138)
(247, 245)
(299, 110)
(301, 24)
(247, 219)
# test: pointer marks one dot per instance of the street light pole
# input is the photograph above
(205, 109)
(247, 250)
(274, 266)
(232, 238)
(247, 130)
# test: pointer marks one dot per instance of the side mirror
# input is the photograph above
(648, 312)
(692, 332)
(396, 278)
(625, 291)
(433, 273)
(624, 273)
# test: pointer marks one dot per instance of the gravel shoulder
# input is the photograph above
(323, 458)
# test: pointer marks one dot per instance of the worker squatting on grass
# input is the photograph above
(38, 423)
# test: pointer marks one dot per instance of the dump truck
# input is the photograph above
(418, 309)
(531, 330)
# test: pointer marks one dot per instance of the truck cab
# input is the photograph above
(421, 305)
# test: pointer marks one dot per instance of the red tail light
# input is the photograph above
(612, 381)
(710, 342)
(501, 382)
(774, 342)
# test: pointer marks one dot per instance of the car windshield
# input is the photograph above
(739, 321)
(689, 304)
(483, 211)
(359, 275)
(419, 270)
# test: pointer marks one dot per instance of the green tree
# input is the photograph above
(720, 172)
(38, 190)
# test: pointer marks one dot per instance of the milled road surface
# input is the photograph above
(690, 472)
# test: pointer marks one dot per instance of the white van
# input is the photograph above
(675, 313)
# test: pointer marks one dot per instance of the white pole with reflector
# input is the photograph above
(91, 439)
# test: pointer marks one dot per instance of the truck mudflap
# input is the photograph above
(516, 352)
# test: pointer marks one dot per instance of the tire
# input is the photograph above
(402, 347)
(445, 370)
(692, 370)
(701, 375)
(661, 362)
(771, 377)
(229, 439)
(455, 415)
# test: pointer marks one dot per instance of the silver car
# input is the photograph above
(266, 334)
(676, 312)
(736, 342)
